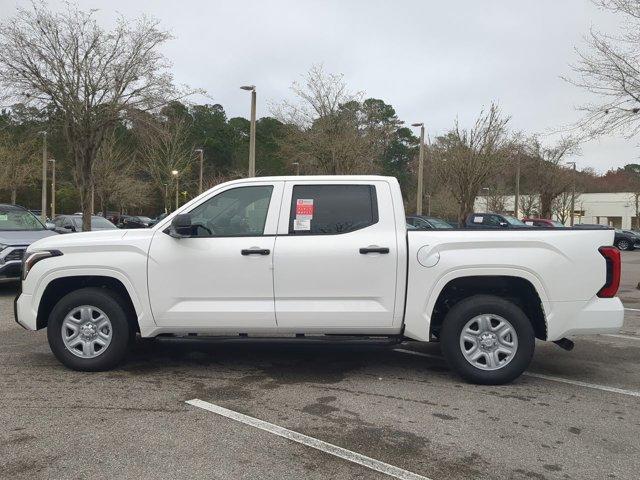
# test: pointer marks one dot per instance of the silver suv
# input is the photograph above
(18, 229)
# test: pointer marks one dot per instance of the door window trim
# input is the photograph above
(273, 210)
(373, 188)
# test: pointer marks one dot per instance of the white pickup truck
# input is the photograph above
(319, 257)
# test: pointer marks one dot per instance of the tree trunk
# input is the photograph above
(13, 196)
(545, 206)
(85, 203)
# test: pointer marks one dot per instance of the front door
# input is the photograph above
(222, 277)
(336, 257)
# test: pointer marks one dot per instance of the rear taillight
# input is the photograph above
(612, 258)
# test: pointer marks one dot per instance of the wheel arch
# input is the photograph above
(516, 288)
(60, 286)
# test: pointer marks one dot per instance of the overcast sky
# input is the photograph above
(432, 60)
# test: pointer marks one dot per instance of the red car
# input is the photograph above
(543, 222)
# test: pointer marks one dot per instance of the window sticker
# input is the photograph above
(477, 219)
(304, 208)
(302, 224)
(304, 214)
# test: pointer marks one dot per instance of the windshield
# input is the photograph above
(514, 221)
(96, 222)
(556, 223)
(437, 223)
(12, 218)
(145, 219)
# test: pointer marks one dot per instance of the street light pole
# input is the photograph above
(252, 131)
(44, 177)
(486, 189)
(175, 174)
(573, 193)
(516, 204)
(53, 188)
(200, 151)
(420, 169)
(166, 196)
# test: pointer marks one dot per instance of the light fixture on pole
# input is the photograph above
(200, 153)
(573, 194)
(420, 168)
(53, 188)
(43, 213)
(175, 174)
(252, 131)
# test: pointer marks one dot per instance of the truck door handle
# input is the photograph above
(366, 250)
(255, 251)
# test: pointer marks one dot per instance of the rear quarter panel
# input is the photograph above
(563, 265)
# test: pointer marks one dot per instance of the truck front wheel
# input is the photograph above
(487, 340)
(88, 330)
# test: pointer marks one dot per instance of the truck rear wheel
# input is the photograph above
(88, 330)
(487, 340)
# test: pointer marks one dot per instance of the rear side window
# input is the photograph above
(332, 209)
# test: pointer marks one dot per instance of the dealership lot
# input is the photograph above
(575, 415)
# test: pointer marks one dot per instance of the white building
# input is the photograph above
(614, 209)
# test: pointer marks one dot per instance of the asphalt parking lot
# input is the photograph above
(574, 415)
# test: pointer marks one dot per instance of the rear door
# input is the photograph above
(336, 256)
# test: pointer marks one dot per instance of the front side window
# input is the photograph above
(332, 209)
(238, 212)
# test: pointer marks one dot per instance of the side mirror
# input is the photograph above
(50, 226)
(181, 226)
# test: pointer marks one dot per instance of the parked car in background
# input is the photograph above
(493, 220)
(18, 229)
(622, 239)
(131, 221)
(162, 216)
(73, 223)
(421, 222)
(543, 222)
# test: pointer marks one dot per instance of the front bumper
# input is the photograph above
(10, 271)
(596, 316)
(24, 314)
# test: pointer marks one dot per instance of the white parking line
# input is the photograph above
(578, 383)
(620, 335)
(309, 441)
(604, 388)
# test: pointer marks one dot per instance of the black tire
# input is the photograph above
(122, 333)
(467, 309)
(624, 245)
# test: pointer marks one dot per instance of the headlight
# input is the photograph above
(31, 258)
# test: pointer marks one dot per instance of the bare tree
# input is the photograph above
(561, 206)
(529, 205)
(609, 68)
(467, 159)
(17, 164)
(497, 200)
(115, 178)
(89, 75)
(547, 174)
(326, 127)
(165, 147)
